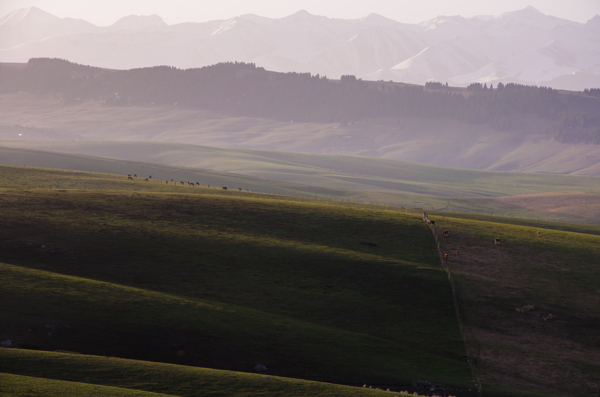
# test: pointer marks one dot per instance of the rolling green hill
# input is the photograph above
(333, 293)
(349, 178)
(328, 171)
(16, 385)
(63, 372)
(330, 291)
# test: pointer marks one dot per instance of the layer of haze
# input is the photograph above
(106, 12)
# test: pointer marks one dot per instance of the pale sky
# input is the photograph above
(106, 12)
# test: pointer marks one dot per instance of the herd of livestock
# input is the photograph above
(130, 178)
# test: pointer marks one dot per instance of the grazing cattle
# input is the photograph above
(135, 175)
(167, 182)
(240, 189)
(145, 179)
(182, 183)
(445, 257)
(497, 241)
(150, 177)
(537, 234)
(129, 178)
(456, 253)
(224, 188)
(171, 179)
(128, 174)
(445, 233)
(197, 183)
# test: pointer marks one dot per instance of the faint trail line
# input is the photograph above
(457, 309)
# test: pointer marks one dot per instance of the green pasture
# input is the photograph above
(349, 179)
(61, 373)
(311, 290)
(340, 172)
(19, 386)
(320, 290)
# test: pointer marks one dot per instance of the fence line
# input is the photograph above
(461, 325)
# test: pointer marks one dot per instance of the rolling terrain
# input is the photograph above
(442, 142)
(351, 179)
(63, 372)
(337, 292)
(228, 280)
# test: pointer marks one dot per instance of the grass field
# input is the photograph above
(16, 385)
(348, 178)
(61, 374)
(315, 291)
(338, 292)
(553, 346)
(355, 173)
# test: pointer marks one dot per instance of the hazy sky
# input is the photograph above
(105, 12)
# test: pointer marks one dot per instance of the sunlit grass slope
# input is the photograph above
(19, 386)
(343, 178)
(115, 167)
(329, 171)
(63, 374)
(334, 293)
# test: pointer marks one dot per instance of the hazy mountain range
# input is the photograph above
(523, 46)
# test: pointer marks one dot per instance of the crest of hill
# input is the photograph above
(139, 22)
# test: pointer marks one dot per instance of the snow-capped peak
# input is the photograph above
(27, 16)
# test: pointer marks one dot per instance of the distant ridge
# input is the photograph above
(139, 22)
(523, 46)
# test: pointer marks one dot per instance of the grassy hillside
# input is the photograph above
(552, 342)
(348, 178)
(333, 171)
(114, 167)
(314, 291)
(16, 385)
(346, 293)
(62, 373)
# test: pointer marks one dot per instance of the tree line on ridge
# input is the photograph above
(243, 89)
